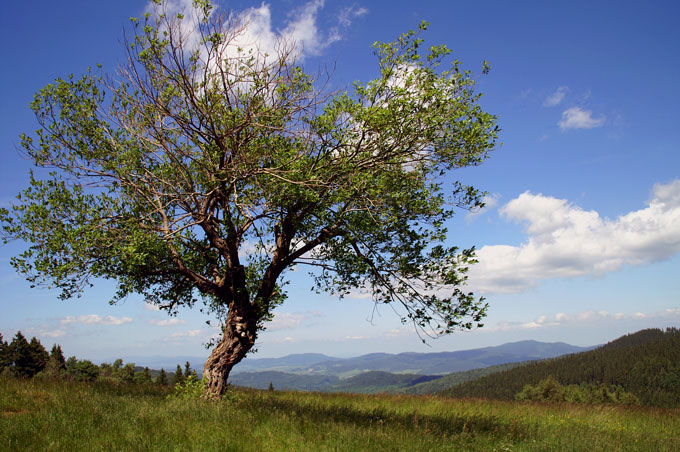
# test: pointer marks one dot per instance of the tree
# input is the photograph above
(143, 376)
(56, 364)
(187, 369)
(162, 378)
(5, 360)
(81, 370)
(206, 168)
(178, 378)
(26, 358)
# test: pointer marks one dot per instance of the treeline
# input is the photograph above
(28, 359)
(645, 364)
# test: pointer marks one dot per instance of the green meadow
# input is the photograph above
(43, 415)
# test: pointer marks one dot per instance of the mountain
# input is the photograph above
(375, 381)
(646, 364)
(283, 381)
(411, 363)
(286, 363)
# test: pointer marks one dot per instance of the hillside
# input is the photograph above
(456, 378)
(646, 363)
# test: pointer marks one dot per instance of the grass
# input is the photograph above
(61, 416)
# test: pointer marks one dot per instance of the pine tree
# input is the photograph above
(179, 376)
(187, 369)
(21, 356)
(56, 364)
(4, 354)
(162, 378)
(39, 354)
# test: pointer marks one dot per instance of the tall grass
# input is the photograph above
(60, 416)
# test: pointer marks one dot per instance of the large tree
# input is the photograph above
(206, 167)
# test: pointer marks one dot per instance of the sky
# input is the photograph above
(579, 241)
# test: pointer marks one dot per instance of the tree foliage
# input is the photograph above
(204, 170)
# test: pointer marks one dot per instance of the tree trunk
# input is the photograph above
(239, 337)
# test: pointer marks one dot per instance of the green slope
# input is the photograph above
(646, 364)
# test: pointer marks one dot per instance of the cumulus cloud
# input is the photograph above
(95, 319)
(566, 241)
(563, 319)
(556, 97)
(299, 33)
(167, 322)
(576, 118)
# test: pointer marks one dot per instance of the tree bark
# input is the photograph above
(237, 340)
(240, 332)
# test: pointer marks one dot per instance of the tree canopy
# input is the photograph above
(204, 168)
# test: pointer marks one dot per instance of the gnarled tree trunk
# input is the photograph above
(240, 332)
(239, 337)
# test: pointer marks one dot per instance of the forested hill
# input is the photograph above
(646, 363)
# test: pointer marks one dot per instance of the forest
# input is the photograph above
(646, 364)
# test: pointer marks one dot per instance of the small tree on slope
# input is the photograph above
(205, 169)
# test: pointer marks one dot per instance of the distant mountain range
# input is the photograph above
(380, 372)
(403, 363)
(415, 363)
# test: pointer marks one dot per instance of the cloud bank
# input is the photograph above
(95, 319)
(566, 241)
(562, 319)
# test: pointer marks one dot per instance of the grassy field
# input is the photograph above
(59, 416)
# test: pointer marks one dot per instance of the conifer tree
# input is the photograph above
(57, 356)
(162, 379)
(178, 377)
(4, 354)
(22, 356)
(187, 369)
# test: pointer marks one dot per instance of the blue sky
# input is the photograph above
(580, 241)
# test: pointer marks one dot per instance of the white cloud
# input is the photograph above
(576, 118)
(349, 13)
(183, 334)
(490, 202)
(167, 322)
(45, 332)
(288, 320)
(567, 241)
(151, 307)
(95, 319)
(591, 316)
(556, 97)
(299, 33)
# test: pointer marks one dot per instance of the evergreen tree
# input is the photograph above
(143, 376)
(187, 369)
(178, 377)
(162, 378)
(56, 364)
(57, 356)
(5, 360)
(22, 356)
(39, 354)
(126, 374)
(84, 370)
